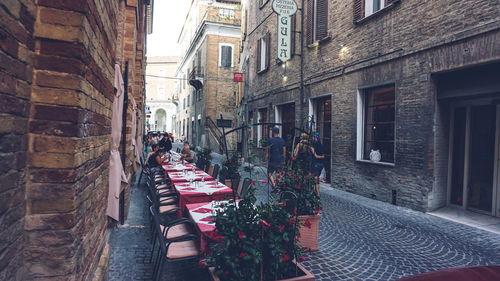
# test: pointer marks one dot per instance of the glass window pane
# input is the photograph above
(379, 123)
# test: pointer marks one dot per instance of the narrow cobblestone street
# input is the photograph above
(360, 239)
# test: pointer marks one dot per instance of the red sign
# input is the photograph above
(238, 77)
(148, 115)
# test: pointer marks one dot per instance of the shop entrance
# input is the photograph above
(474, 156)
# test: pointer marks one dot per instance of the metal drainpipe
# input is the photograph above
(302, 57)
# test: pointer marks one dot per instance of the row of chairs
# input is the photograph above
(173, 240)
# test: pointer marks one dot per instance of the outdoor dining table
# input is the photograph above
(177, 167)
(201, 214)
(181, 176)
(199, 192)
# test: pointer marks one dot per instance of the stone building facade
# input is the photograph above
(57, 63)
(398, 90)
(210, 44)
(161, 98)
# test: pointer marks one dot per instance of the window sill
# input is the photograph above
(377, 13)
(376, 163)
(263, 71)
(319, 42)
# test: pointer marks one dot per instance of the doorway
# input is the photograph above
(321, 112)
(285, 114)
(474, 156)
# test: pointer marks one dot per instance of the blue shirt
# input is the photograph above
(276, 149)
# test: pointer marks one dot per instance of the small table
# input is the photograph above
(201, 214)
(168, 167)
(201, 192)
(182, 177)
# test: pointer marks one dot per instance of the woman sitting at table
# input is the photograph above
(187, 154)
(156, 159)
(154, 149)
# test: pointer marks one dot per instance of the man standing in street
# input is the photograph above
(275, 154)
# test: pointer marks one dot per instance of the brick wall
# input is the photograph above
(404, 44)
(56, 77)
(16, 47)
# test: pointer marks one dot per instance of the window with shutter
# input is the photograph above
(365, 8)
(310, 20)
(259, 55)
(268, 50)
(229, 56)
(225, 56)
(294, 31)
(263, 52)
(317, 20)
(321, 19)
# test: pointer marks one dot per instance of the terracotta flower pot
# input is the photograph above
(309, 236)
(308, 276)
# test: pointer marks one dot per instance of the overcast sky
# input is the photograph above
(168, 19)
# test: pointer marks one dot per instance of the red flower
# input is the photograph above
(214, 235)
(308, 224)
(283, 204)
(294, 212)
(241, 234)
(229, 160)
(318, 209)
(265, 223)
(292, 221)
(281, 228)
(284, 257)
(263, 181)
(242, 255)
(221, 204)
(202, 264)
(298, 186)
(302, 258)
(252, 183)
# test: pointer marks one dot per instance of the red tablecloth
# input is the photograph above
(188, 193)
(181, 177)
(172, 168)
(201, 214)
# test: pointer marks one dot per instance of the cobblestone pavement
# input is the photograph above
(364, 239)
(360, 239)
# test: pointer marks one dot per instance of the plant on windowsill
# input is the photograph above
(259, 243)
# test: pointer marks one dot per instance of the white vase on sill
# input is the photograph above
(375, 155)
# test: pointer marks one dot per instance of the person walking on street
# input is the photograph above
(317, 160)
(303, 155)
(275, 154)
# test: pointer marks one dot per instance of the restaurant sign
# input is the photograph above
(285, 10)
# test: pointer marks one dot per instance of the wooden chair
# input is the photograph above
(180, 249)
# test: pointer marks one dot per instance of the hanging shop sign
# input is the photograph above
(285, 10)
(237, 77)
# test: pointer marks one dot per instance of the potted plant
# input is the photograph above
(259, 243)
(204, 155)
(302, 183)
(232, 164)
